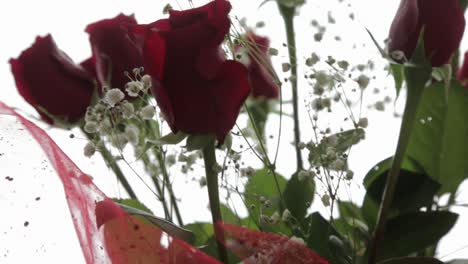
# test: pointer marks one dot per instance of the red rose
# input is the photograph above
(259, 65)
(114, 52)
(52, 83)
(443, 23)
(197, 89)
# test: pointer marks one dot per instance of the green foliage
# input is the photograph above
(323, 239)
(298, 196)
(397, 72)
(202, 232)
(412, 232)
(411, 260)
(195, 142)
(134, 204)
(169, 139)
(263, 184)
(345, 140)
(440, 137)
(414, 190)
(139, 210)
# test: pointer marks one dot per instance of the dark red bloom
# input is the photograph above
(197, 89)
(114, 51)
(443, 23)
(52, 83)
(259, 65)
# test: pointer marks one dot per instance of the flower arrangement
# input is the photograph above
(195, 93)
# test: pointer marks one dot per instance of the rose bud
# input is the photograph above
(114, 52)
(197, 89)
(254, 55)
(443, 23)
(52, 83)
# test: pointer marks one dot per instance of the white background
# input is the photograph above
(50, 237)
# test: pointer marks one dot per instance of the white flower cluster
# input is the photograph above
(117, 115)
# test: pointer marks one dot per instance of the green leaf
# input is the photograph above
(318, 237)
(345, 140)
(195, 142)
(135, 208)
(414, 190)
(212, 250)
(411, 260)
(412, 232)
(464, 4)
(169, 139)
(262, 184)
(369, 211)
(397, 72)
(385, 165)
(133, 203)
(439, 139)
(229, 216)
(298, 196)
(202, 232)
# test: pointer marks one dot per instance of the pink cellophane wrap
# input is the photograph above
(107, 234)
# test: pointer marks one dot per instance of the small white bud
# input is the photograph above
(343, 64)
(349, 175)
(248, 172)
(105, 126)
(286, 67)
(302, 175)
(273, 52)
(146, 79)
(113, 96)
(363, 122)
(318, 36)
(127, 109)
(91, 127)
(119, 140)
(147, 112)
(338, 165)
(326, 200)
(297, 240)
(131, 132)
(301, 145)
(134, 87)
(332, 140)
(397, 55)
(202, 182)
(89, 149)
(286, 216)
(380, 106)
(363, 81)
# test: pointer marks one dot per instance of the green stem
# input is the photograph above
(288, 16)
(112, 164)
(416, 78)
(209, 157)
(165, 175)
(147, 162)
(159, 156)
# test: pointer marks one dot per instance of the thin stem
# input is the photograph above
(415, 86)
(112, 164)
(166, 181)
(165, 175)
(209, 157)
(288, 16)
(154, 178)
